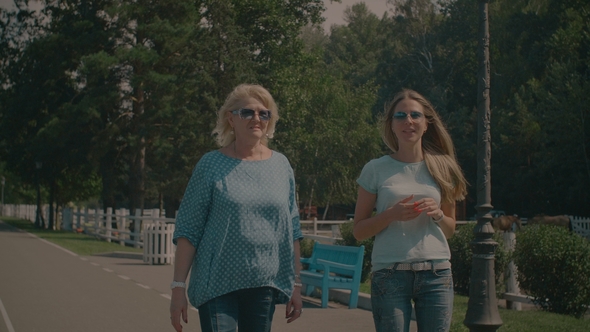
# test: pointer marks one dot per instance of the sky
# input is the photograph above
(334, 13)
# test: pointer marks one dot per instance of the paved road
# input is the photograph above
(46, 288)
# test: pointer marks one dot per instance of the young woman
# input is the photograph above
(237, 229)
(414, 190)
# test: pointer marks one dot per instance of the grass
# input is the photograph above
(512, 320)
(81, 244)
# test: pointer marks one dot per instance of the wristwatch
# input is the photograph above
(176, 284)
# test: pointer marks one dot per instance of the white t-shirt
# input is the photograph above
(415, 240)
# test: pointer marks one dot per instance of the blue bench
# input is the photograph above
(333, 266)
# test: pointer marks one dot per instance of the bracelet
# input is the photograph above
(438, 220)
(297, 284)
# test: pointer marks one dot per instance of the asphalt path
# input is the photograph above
(44, 287)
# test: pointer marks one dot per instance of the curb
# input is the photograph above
(122, 254)
(342, 296)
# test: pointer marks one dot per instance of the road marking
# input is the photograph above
(6, 319)
(142, 286)
(53, 244)
(95, 264)
(123, 277)
(108, 270)
(84, 259)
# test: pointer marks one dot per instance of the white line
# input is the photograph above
(166, 296)
(143, 286)
(53, 244)
(124, 277)
(95, 264)
(6, 319)
(108, 270)
(84, 258)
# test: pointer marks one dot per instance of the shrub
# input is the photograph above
(349, 240)
(306, 247)
(461, 259)
(554, 268)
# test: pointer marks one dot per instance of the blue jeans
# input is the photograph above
(250, 310)
(392, 293)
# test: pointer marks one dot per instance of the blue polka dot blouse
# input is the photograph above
(242, 218)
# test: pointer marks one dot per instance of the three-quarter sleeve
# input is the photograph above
(297, 235)
(194, 208)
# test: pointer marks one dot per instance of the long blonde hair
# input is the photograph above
(223, 132)
(437, 146)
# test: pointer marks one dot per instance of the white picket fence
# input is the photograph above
(323, 234)
(24, 211)
(581, 226)
(153, 233)
(145, 230)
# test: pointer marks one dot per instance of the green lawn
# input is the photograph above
(517, 321)
(81, 244)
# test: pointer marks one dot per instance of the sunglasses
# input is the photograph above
(400, 116)
(248, 114)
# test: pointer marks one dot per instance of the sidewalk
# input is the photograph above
(337, 317)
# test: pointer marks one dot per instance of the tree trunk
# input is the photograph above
(137, 169)
(326, 210)
(107, 173)
(171, 205)
(51, 201)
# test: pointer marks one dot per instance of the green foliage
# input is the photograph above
(104, 87)
(306, 247)
(461, 259)
(554, 268)
(349, 240)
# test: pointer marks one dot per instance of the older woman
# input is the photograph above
(414, 191)
(237, 228)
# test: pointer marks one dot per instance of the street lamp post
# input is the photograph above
(482, 310)
(39, 222)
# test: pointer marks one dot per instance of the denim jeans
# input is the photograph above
(250, 310)
(392, 293)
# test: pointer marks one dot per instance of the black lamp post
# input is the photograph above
(482, 311)
(39, 222)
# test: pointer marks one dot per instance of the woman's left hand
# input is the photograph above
(295, 306)
(429, 206)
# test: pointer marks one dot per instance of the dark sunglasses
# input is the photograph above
(248, 114)
(403, 115)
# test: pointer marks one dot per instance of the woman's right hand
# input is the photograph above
(178, 308)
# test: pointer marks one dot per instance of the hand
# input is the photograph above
(429, 206)
(295, 306)
(404, 211)
(178, 308)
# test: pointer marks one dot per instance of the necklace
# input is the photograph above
(238, 157)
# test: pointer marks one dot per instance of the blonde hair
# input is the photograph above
(437, 146)
(223, 132)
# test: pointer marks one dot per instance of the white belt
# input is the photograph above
(421, 266)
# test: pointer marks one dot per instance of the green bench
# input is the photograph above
(332, 266)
